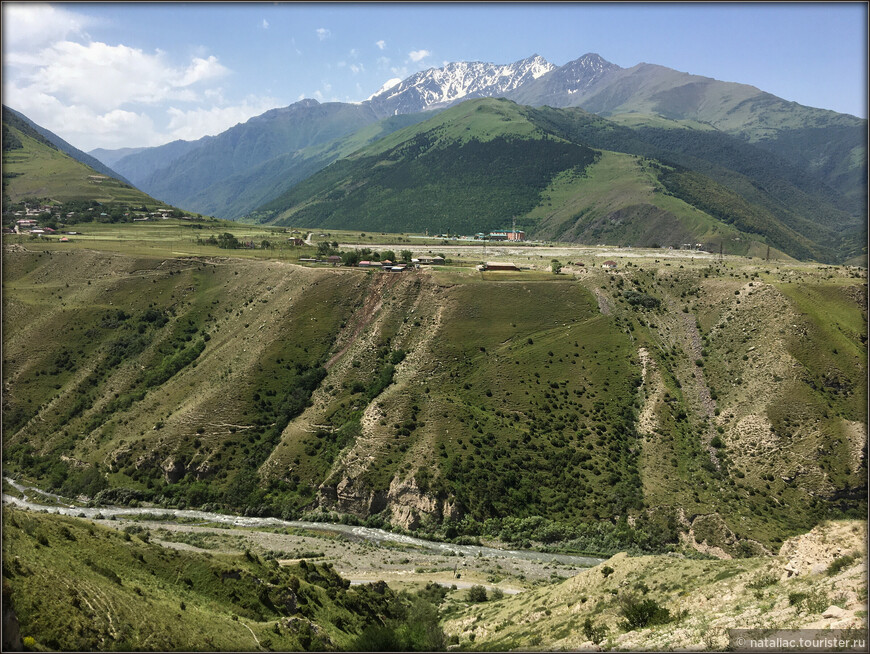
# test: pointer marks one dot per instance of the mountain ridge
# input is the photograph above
(826, 146)
(484, 162)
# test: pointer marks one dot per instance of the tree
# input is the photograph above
(350, 258)
(406, 256)
(556, 266)
(324, 249)
(388, 255)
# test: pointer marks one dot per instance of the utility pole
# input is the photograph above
(767, 258)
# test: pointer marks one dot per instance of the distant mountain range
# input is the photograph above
(717, 129)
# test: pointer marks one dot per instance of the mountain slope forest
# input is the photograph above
(572, 176)
(728, 398)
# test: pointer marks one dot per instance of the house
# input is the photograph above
(498, 236)
(26, 222)
(395, 268)
(334, 258)
(367, 264)
(64, 239)
(499, 265)
(516, 235)
(296, 241)
(609, 265)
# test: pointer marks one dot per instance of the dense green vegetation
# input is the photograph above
(460, 188)
(74, 585)
(473, 167)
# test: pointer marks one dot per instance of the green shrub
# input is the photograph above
(840, 563)
(476, 593)
(639, 613)
(762, 581)
(593, 632)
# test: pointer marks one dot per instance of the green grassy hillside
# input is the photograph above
(665, 391)
(464, 170)
(37, 169)
(482, 164)
(77, 586)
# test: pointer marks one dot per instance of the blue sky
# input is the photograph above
(126, 75)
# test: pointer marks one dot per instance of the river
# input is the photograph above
(370, 534)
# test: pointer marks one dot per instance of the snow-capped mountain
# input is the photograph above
(561, 86)
(440, 87)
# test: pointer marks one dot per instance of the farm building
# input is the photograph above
(499, 265)
(609, 265)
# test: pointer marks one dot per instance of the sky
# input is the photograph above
(114, 75)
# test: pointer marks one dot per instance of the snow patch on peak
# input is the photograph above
(438, 87)
(390, 83)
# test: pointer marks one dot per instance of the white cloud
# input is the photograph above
(381, 44)
(323, 33)
(354, 52)
(96, 94)
(383, 62)
(35, 24)
(357, 68)
(417, 55)
(104, 77)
